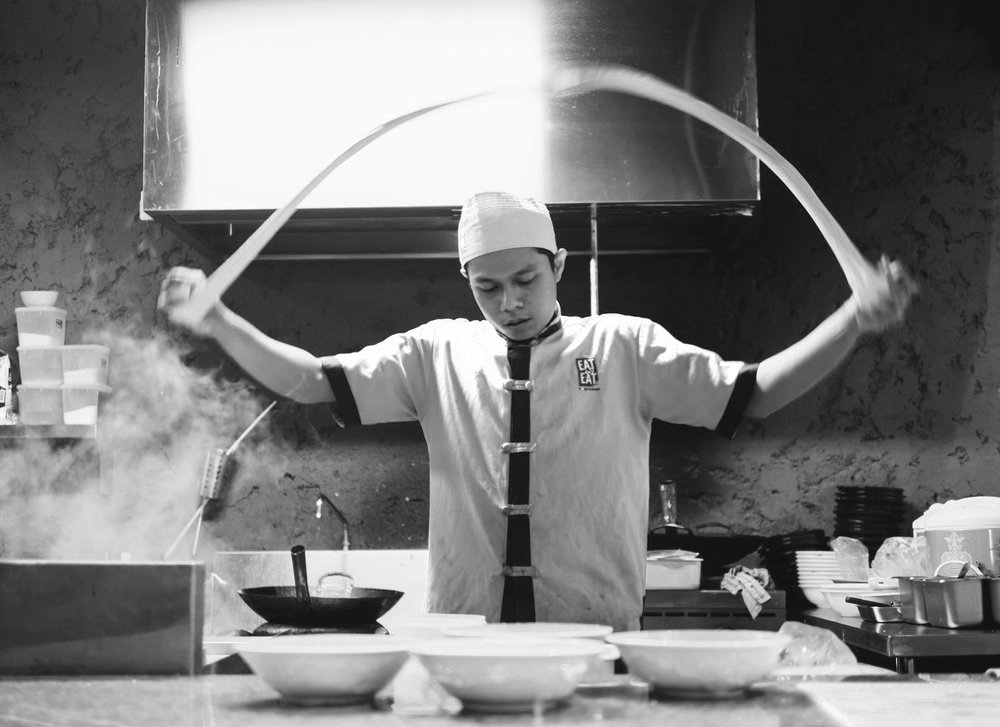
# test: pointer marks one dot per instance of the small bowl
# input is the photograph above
(39, 298)
(326, 669)
(508, 675)
(814, 596)
(700, 662)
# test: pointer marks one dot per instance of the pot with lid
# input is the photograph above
(962, 531)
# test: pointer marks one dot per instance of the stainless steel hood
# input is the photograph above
(246, 100)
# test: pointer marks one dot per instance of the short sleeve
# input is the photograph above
(384, 382)
(685, 384)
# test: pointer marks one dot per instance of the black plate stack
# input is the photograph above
(869, 514)
(778, 555)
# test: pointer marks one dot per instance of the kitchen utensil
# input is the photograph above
(211, 482)
(321, 669)
(301, 578)
(865, 602)
(880, 614)
(700, 662)
(302, 605)
(954, 603)
(836, 595)
(508, 675)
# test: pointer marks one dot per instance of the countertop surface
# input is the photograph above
(247, 701)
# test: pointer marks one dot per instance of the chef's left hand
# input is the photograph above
(887, 305)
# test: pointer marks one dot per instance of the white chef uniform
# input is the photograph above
(597, 384)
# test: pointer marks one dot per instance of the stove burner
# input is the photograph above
(274, 629)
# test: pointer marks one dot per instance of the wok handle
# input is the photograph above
(301, 577)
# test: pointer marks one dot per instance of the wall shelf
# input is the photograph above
(48, 431)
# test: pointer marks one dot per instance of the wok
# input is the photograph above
(302, 605)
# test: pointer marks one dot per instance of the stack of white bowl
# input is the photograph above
(817, 569)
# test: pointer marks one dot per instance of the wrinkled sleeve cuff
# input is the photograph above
(743, 389)
(344, 408)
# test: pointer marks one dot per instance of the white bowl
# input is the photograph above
(814, 596)
(535, 630)
(326, 668)
(35, 298)
(434, 625)
(836, 594)
(700, 662)
(508, 675)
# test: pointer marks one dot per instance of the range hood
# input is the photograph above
(247, 100)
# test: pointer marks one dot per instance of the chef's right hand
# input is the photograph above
(176, 289)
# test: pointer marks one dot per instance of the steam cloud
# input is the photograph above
(61, 500)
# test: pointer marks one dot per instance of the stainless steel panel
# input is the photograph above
(247, 100)
(76, 617)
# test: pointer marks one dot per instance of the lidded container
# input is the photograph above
(40, 366)
(40, 404)
(40, 326)
(85, 364)
(961, 531)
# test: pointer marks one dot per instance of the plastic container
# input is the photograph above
(40, 404)
(85, 364)
(40, 326)
(961, 531)
(673, 572)
(79, 403)
(40, 365)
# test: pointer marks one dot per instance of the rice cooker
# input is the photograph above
(962, 531)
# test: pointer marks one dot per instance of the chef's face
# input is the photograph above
(516, 289)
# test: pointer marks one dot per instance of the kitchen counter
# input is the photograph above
(247, 701)
(908, 643)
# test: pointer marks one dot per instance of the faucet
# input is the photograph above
(340, 516)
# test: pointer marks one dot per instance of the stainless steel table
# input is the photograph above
(905, 642)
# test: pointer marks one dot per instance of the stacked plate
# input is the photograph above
(817, 569)
(778, 555)
(869, 514)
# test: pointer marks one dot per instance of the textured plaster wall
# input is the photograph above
(888, 108)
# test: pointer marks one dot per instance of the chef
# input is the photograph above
(538, 424)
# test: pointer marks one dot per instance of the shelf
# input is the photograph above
(48, 431)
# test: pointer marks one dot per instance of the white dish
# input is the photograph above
(39, 298)
(536, 630)
(700, 662)
(508, 675)
(315, 669)
(815, 597)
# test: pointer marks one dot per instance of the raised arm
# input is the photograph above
(789, 374)
(284, 369)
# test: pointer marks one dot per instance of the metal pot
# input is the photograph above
(302, 605)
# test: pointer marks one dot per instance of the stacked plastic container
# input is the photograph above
(60, 384)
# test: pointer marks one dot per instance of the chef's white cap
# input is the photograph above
(493, 221)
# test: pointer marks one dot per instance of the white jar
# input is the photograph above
(962, 531)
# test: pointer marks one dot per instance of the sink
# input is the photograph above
(397, 570)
